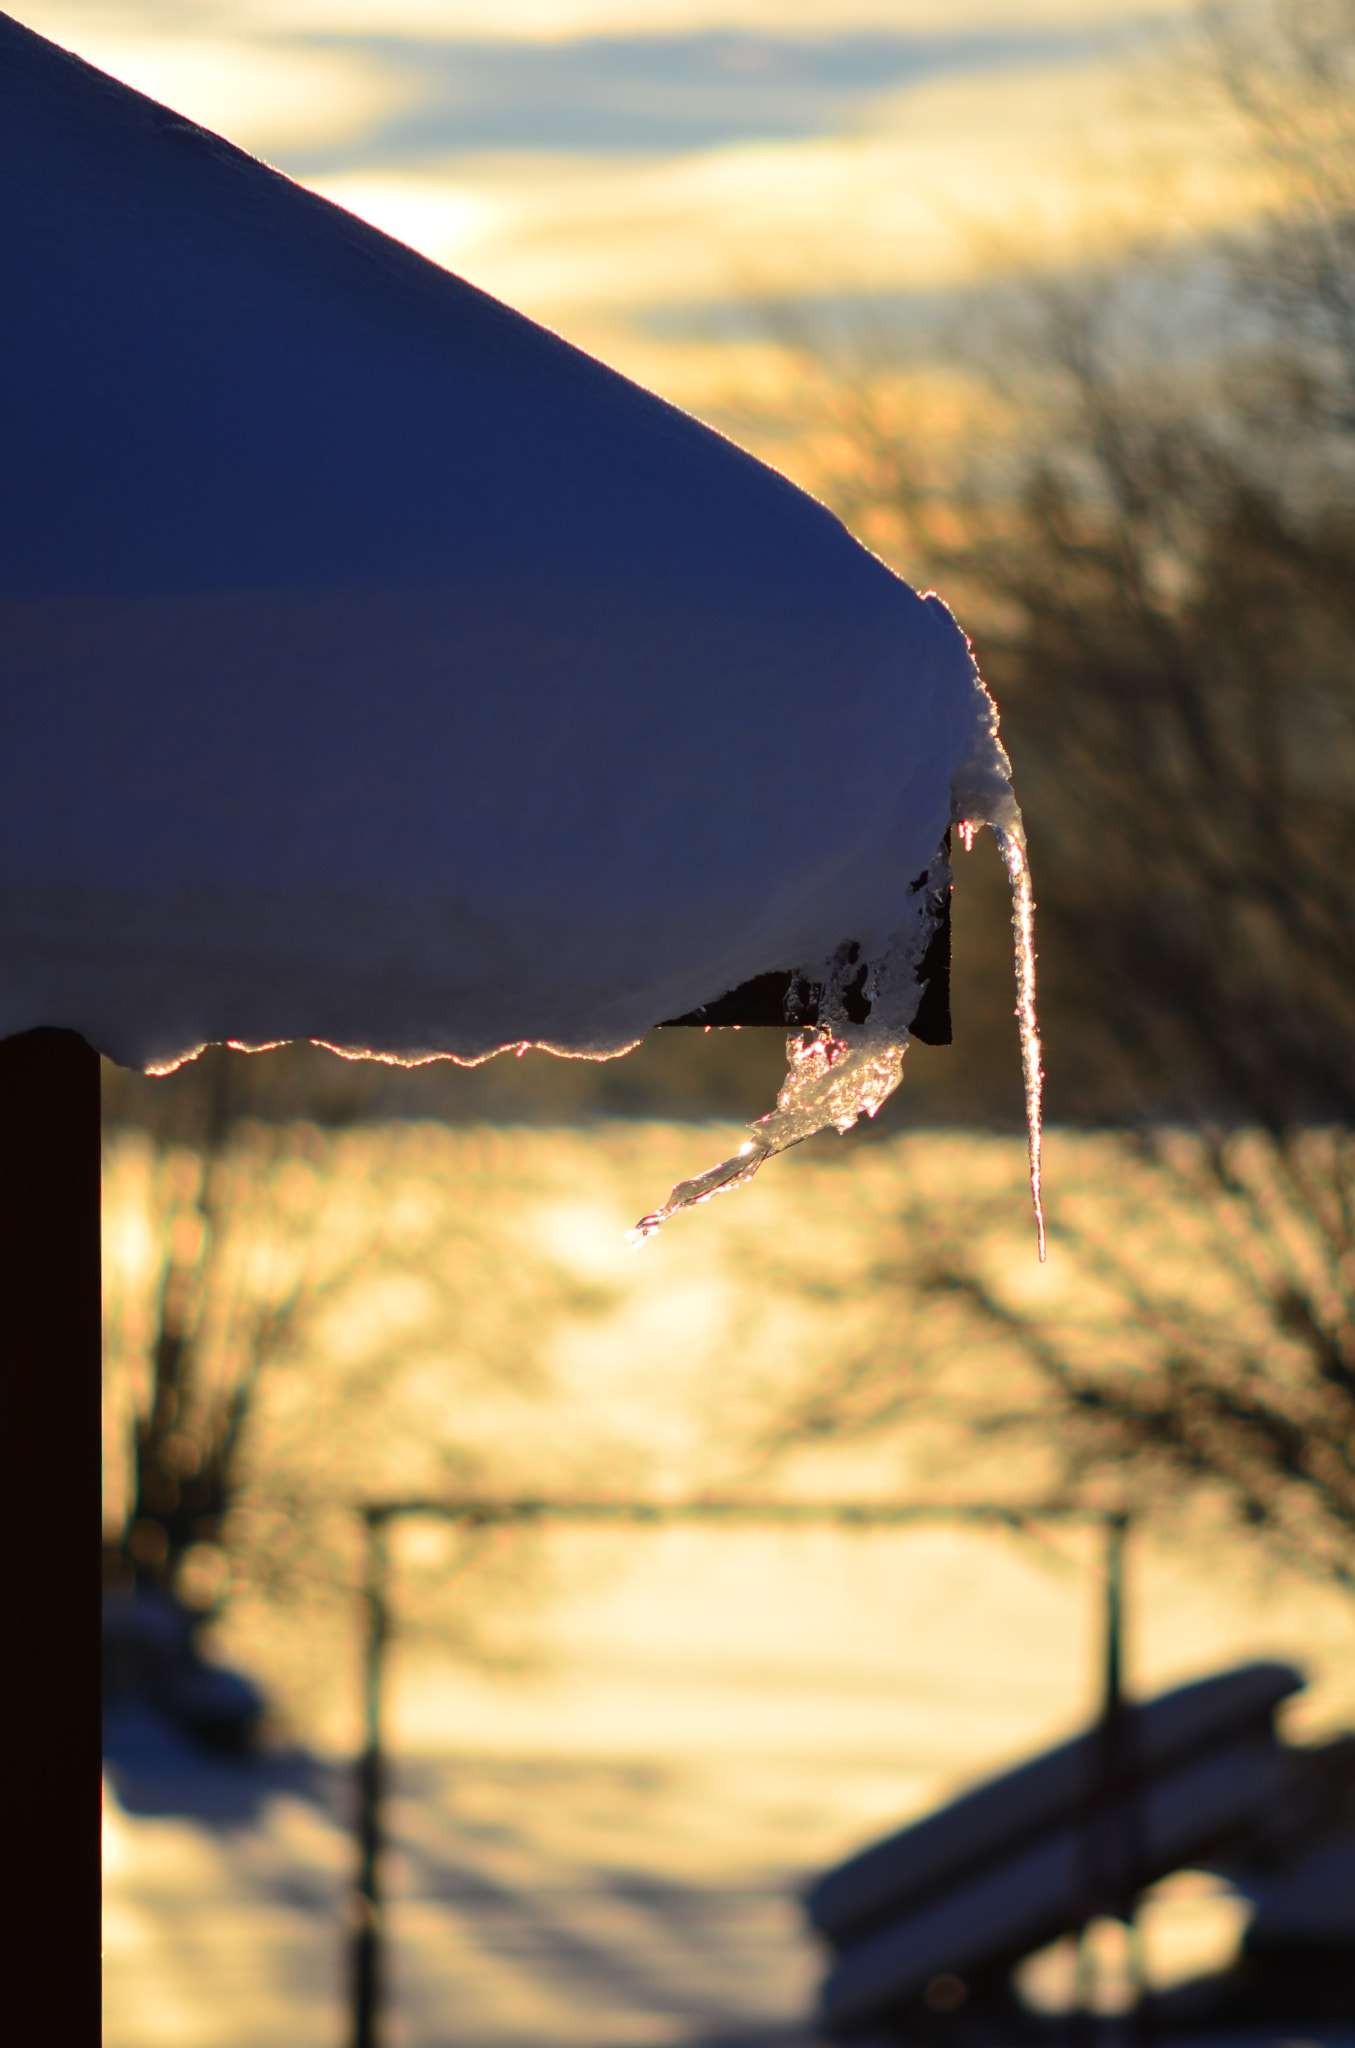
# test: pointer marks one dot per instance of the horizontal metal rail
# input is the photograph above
(478, 1510)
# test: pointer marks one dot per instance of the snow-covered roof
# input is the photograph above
(379, 668)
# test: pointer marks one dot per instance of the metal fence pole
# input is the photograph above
(1128, 1849)
(367, 1934)
(1112, 1845)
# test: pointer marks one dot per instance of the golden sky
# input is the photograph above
(626, 169)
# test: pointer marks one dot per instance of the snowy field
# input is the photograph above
(605, 1847)
(531, 1903)
(616, 1753)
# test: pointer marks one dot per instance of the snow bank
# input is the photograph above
(382, 670)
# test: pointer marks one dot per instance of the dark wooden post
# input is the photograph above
(50, 1335)
(367, 1934)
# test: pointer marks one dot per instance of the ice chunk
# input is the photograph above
(840, 1071)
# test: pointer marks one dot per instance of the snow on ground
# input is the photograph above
(597, 1841)
(531, 1902)
(604, 1848)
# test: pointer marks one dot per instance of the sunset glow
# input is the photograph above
(998, 132)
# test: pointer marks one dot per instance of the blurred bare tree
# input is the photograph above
(1145, 504)
(225, 1222)
(296, 1318)
(1188, 1346)
(184, 1428)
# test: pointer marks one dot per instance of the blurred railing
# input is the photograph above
(1113, 1769)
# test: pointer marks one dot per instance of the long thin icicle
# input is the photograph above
(982, 794)
(1011, 841)
(1012, 846)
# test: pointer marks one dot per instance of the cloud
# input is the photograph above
(559, 20)
(274, 98)
(660, 95)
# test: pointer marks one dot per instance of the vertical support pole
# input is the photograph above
(1112, 1852)
(1126, 1844)
(1117, 1527)
(50, 1529)
(367, 1935)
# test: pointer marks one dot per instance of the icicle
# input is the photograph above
(840, 1071)
(831, 1082)
(1011, 841)
(982, 794)
(1012, 846)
